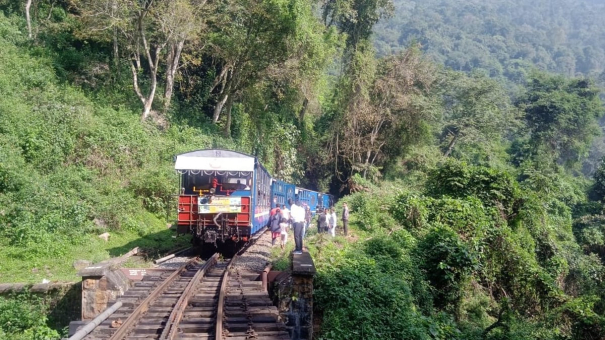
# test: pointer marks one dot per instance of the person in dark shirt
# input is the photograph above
(274, 210)
(322, 221)
(345, 218)
(275, 227)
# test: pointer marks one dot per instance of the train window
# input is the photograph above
(312, 200)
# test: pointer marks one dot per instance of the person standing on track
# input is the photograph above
(345, 218)
(283, 227)
(274, 210)
(285, 213)
(275, 226)
(297, 213)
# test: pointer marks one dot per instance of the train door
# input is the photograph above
(278, 192)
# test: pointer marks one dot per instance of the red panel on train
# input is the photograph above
(187, 210)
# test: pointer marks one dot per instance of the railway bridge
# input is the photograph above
(213, 299)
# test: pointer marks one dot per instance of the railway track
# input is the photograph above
(247, 311)
(211, 300)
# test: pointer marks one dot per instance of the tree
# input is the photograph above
(147, 29)
(356, 18)
(561, 116)
(476, 111)
(385, 109)
(597, 191)
(255, 39)
(184, 19)
(403, 95)
(352, 107)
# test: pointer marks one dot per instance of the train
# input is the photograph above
(226, 197)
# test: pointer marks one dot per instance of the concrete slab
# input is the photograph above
(302, 264)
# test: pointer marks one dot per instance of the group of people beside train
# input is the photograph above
(298, 218)
(327, 220)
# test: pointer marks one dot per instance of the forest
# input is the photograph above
(464, 135)
(504, 39)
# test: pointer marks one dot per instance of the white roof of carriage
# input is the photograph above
(214, 160)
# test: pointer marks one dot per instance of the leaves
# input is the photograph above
(561, 116)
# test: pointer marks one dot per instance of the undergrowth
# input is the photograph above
(473, 255)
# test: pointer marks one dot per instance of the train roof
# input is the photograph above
(215, 160)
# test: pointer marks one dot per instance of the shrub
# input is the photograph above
(22, 316)
(590, 234)
(448, 263)
(362, 302)
(154, 186)
(13, 169)
(412, 211)
(370, 212)
(493, 187)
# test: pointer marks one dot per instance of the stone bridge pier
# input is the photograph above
(294, 295)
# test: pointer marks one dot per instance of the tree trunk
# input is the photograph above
(116, 55)
(172, 66)
(366, 165)
(28, 5)
(278, 161)
(228, 125)
(303, 110)
(147, 108)
(146, 100)
(153, 61)
(219, 107)
(450, 147)
(116, 51)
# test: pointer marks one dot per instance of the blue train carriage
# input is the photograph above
(281, 192)
(326, 201)
(310, 198)
(224, 195)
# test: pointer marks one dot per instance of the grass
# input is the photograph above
(156, 242)
(322, 246)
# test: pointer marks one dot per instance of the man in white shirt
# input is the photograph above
(332, 222)
(297, 213)
(285, 213)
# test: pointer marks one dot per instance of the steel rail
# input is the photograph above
(170, 256)
(171, 329)
(144, 306)
(79, 335)
(221, 301)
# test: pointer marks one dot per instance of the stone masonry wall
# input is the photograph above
(293, 294)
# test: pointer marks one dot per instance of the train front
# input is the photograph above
(216, 201)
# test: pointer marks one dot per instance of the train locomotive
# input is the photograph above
(226, 196)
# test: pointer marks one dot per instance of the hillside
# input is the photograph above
(471, 218)
(504, 38)
(73, 167)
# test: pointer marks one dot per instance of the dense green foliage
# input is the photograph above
(65, 158)
(503, 38)
(486, 228)
(474, 254)
(23, 317)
